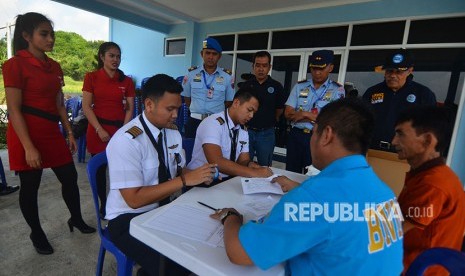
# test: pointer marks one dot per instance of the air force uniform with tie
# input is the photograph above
(305, 97)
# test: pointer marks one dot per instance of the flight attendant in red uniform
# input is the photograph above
(108, 103)
(33, 86)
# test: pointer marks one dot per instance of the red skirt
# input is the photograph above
(46, 137)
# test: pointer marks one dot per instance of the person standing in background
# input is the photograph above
(302, 107)
(271, 96)
(108, 103)
(34, 96)
(396, 93)
(207, 89)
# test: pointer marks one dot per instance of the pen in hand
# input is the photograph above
(208, 206)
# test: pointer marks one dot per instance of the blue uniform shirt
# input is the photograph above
(331, 243)
(198, 82)
(304, 96)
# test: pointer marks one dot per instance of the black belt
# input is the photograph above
(304, 130)
(384, 145)
(258, 129)
(40, 113)
(115, 123)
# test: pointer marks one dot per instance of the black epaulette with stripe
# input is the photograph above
(134, 131)
(302, 81)
(229, 72)
(221, 120)
(192, 68)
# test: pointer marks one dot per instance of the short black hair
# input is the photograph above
(352, 120)
(157, 85)
(437, 120)
(245, 94)
(262, 54)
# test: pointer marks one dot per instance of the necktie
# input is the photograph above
(162, 170)
(232, 156)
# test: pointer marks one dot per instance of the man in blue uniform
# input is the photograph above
(396, 93)
(303, 105)
(271, 96)
(343, 219)
(207, 89)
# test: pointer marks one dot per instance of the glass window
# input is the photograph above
(226, 41)
(243, 66)
(443, 30)
(257, 41)
(310, 38)
(378, 33)
(433, 68)
(175, 47)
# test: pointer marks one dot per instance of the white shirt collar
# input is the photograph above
(155, 131)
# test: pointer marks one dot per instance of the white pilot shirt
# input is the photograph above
(133, 162)
(212, 131)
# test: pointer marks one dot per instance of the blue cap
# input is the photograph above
(211, 43)
(321, 58)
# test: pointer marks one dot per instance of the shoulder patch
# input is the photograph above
(302, 81)
(192, 68)
(221, 120)
(229, 72)
(134, 131)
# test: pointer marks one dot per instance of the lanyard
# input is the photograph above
(208, 85)
(318, 98)
(152, 139)
(233, 141)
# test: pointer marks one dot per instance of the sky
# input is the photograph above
(65, 18)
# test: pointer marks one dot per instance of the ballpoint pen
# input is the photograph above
(208, 206)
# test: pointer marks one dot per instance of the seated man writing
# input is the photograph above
(432, 200)
(221, 140)
(145, 162)
(344, 219)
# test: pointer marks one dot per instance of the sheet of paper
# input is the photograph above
(258, 207)
(188, 222)
(256, 185)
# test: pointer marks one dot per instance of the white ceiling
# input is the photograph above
(178, 11)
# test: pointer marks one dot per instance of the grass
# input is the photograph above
(71, 87)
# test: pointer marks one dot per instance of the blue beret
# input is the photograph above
(321, 58)
(211, 43)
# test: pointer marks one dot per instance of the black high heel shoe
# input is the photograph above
(84, 228)
(41, 245)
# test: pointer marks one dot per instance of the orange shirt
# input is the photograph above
(433, 200)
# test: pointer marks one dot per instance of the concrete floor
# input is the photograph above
(75, 253)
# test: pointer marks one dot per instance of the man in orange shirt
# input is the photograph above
(432, 200)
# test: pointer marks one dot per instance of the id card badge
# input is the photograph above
(210, 93)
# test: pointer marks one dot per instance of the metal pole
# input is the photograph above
(8, 40)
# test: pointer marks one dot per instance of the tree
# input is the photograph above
(3, 50)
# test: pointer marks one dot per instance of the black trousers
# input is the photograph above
(138, 251)
(191, 127)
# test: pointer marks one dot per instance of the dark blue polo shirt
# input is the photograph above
(387, 105)
(271, 96)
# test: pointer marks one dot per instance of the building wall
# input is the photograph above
(143, 49)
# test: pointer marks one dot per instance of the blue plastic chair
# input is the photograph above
(452, 260)
(188, 146)
(125, 264)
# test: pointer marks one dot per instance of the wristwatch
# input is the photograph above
(227, 214)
